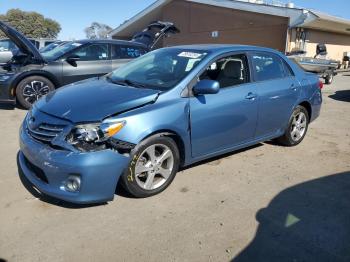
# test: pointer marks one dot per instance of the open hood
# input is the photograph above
(21, 41)
(93, 100)
(154, 32)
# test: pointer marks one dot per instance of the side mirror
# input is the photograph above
(72, 60)
(204, 87)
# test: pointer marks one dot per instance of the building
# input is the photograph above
(253, 22)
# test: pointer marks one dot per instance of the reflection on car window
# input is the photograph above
(161, 69)
(268, 67)
(228, 71)
(126, 52)
(60, 50)
(92, 52)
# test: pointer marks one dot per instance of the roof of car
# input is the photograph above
(110, 41)
(224, 47)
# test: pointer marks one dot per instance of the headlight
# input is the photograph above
(94, 133)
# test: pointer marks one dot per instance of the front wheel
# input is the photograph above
(30, 89)
(153, 166)
(297, 128)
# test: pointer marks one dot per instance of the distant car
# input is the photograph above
(167, 109)
(7, 49)
(52, 46)
(31, 74)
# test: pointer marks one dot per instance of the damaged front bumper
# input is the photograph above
(48, 169)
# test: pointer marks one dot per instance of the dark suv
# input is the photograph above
(30, 74)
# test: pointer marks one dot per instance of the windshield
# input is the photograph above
(60, 50)
(162, 69)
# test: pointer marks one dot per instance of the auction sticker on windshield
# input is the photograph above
(190, 55)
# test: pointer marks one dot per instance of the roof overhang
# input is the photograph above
(298, 17)
(327, 23)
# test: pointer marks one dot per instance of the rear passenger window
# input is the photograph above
(269, 67)
(127, 52)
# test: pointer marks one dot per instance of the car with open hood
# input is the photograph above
(30, 74)
(165, 110)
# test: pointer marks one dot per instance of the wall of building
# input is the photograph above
(197, 23)
(336, 44)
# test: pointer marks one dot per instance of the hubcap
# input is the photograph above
(298, 126)
(33, 90)
(154, 166)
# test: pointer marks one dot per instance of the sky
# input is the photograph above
(75, 15)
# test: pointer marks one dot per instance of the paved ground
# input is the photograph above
(267, 203)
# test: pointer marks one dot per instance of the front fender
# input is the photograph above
(163, 116)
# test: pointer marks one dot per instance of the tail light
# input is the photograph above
(320, 84)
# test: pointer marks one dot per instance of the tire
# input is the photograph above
(297, 128)
(329, 79)
(31, 88)
(144, 177)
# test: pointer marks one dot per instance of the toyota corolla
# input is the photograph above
(167, 109)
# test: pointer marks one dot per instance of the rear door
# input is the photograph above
(277, 90)
(94, 60)
(121, 54)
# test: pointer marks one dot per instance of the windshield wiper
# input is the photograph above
(125, 82)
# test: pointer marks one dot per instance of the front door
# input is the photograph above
(94, 60)
(228, 118)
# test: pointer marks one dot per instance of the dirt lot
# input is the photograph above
(267, 203)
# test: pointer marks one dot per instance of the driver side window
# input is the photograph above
(92, 52)
(228, 71)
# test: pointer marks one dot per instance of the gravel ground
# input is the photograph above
(266, 203)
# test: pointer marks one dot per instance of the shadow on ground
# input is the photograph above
(342, 95)
(306, 222)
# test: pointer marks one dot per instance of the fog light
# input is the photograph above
(72, 184)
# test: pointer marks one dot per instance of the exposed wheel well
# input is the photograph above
(307, 106)
(178, 140)
(19, 79)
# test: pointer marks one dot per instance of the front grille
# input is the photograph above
(45, 132)
(38, 172)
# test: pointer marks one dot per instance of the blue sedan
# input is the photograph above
(167, 109)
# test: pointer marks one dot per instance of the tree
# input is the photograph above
(31, 24)
(97, 30)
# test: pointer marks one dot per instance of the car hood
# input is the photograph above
(21, 42)
(93, 100)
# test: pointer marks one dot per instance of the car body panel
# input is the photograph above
(116, 98)
(204, 126)
(223, 120)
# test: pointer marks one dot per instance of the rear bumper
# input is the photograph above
(47, 169)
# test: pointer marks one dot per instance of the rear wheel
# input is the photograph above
(153, 167)
(297, 128)
(30, 89)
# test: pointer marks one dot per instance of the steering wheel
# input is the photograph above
(154, 73)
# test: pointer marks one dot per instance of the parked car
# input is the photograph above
(167, 109)
(52, 46)
(7, 49)
(31, 74)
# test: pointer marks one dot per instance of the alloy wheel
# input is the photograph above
(33, 90)
(154, 166)
(298, 127)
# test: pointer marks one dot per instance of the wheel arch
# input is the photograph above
(308, 108)
(176, 137)
(41, 73)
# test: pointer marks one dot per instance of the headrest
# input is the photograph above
(233, 69)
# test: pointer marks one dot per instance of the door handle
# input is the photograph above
(251, 96)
